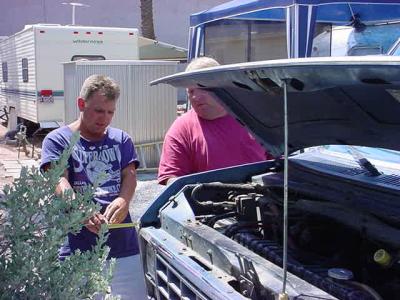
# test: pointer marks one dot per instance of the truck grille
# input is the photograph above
(169, 283)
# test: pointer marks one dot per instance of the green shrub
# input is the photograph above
(34, 222)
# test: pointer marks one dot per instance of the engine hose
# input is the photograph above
(211, 222)
(367, 288)
(235, 228)
(218, 186)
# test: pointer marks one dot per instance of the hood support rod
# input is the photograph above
(283, 295)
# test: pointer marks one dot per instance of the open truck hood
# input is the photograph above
(342, 100)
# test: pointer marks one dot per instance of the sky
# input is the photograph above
(171, 17)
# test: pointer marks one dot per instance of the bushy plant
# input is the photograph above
(34, 223)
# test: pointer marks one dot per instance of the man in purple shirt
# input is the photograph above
(106, 156)
(206, 137)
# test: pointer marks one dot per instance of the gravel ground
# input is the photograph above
(146, 191)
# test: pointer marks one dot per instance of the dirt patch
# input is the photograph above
(9, 154)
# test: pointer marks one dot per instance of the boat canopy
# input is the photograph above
(300, 16)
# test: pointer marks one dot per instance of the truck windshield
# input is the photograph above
(375, 154)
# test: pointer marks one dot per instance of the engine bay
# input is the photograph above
(342, 238)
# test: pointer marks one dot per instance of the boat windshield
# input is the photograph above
(235, 40)
(243, 40)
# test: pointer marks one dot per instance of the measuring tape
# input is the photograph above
(122, 225)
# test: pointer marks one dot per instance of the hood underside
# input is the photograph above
(345, 100)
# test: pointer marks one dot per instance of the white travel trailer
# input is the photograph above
(32, 84)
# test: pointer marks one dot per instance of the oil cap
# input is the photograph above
(340, 274)
(382, 258)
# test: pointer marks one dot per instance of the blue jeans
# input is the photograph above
(128, 279)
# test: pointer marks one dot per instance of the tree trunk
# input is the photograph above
(146, 12)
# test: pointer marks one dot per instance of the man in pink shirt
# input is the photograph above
(206, 137)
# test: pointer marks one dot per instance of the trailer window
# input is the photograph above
(87, 57)
(4, 68)
(25, 77)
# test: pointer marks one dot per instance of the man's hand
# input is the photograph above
(117, 211)
(170, 180)
(94, 223)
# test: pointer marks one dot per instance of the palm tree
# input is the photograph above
(147, 24)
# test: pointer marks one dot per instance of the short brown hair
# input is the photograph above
(107, 86)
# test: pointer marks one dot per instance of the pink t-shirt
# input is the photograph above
(193, 144)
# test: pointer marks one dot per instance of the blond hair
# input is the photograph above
(201, 63)
(107, 87)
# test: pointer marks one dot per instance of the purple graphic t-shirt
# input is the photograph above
(98, 162)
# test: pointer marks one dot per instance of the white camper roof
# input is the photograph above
(41, 26)
(152, 49)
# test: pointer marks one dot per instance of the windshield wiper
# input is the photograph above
(363, 162)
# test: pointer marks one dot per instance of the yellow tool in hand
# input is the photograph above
(122, 225)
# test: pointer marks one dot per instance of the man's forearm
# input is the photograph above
(118, 209)
(63, 185)
(128, 183)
